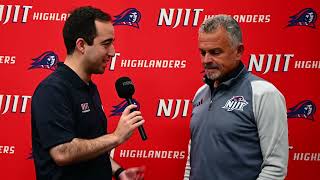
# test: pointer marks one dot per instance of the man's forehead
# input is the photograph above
(105, 30)
(210, 38)
(104, 26)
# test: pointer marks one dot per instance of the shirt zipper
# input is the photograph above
(214, 92)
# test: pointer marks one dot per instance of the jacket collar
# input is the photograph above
(230, 79)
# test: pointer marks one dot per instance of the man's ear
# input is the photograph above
(240, 51)
(80, 45)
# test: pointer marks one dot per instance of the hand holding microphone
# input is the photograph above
(128, 123)
(130, 117)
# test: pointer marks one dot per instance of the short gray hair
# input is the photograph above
(228, 23)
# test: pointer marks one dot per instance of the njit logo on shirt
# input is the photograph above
(235, 103)
(85, 107)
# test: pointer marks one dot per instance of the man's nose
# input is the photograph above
(111, 51)
(207, 58)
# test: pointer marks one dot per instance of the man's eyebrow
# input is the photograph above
(212, 49)
(107, 40)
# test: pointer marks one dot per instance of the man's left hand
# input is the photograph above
(135, 173)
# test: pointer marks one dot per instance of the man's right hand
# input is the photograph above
(128, 123)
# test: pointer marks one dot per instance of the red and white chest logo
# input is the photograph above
(85, 107)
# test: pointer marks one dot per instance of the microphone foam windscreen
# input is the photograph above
(124, 87)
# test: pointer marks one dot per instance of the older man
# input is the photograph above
(239, 124)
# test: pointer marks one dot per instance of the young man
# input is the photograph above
(239, 121)
(69, 136)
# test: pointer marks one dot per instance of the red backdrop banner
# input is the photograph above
(158, 50)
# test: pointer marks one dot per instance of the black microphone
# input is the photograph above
(125, 89)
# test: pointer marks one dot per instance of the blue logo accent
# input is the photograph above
(118, 109)
(306, 17)
(30, 155)
(129, 17)
(47, 60)
(304, 109)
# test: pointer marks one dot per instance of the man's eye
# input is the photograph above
(202, 52)
(215, 52)
(106, 44)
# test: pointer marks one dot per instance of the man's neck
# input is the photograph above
(231, 75)
(74, 63)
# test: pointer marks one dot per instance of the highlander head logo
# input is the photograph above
(304, 109)
(236, 102)
(47, 60)
(118, 109)
(129, 17)
(306, 17)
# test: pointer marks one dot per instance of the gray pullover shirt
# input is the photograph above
(238, 131)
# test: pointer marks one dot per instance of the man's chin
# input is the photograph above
(99, 71)
(213, 77)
